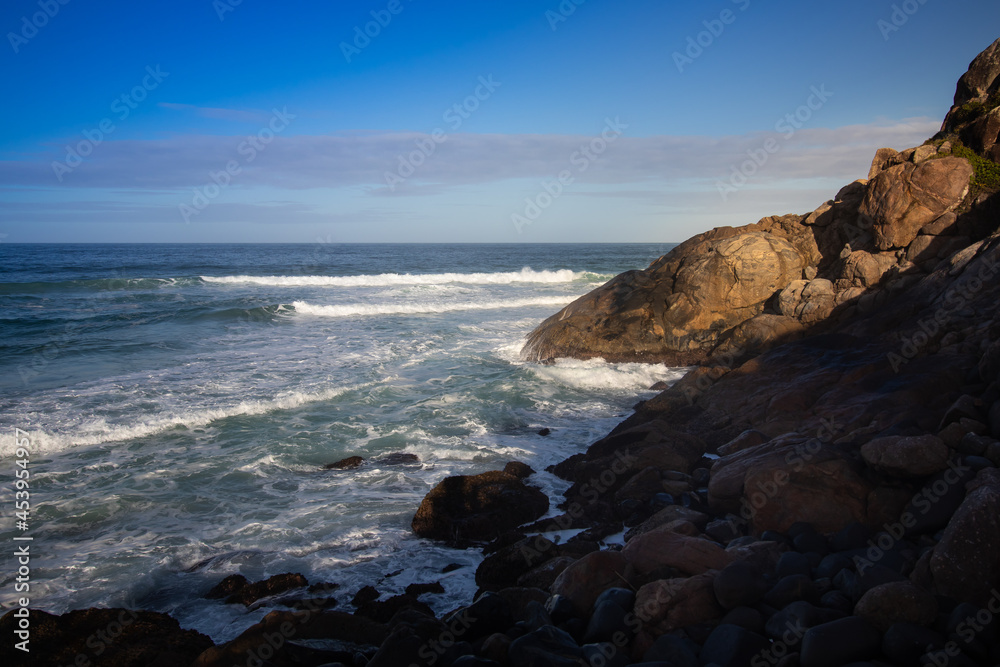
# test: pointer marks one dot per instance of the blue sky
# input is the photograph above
(490, 121)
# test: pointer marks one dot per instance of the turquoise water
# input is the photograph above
(182, 400)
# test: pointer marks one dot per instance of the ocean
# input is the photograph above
(182, 401)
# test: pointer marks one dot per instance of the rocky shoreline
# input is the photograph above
(822, 489)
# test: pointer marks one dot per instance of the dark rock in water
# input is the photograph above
(731, 645)
(228, 586)
(659, 386)
(504, 567)
(398, 458)
(323, 587)
(739, 584)
(840, 642)
(674, 650)
(345, 464)
(451, 567)
(365, 595)
(544, 431)
(518, 469)
(249, 593)
(546, 647)
(383, 611)
(123, 638)
(477, 507)
(419, 589)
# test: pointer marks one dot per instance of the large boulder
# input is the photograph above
(905, 197)
(477, 507)
(662, 547)
(676, 310)
(966, 562)
(913, 456)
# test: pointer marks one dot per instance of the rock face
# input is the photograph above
(904, 198)
(477, 507)
(739, 291)
(683, 302)
(121, 637)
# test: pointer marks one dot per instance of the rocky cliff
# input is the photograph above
(738, 291)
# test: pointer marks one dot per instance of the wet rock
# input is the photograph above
(477, 507)
(420, 589)
(281, 626)
(791, 588)
(398, 458)
(345, 464)
(365, 595)
(518, 469)
(250, 593)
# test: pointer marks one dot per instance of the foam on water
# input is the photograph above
(430, 307)
(525, 275)
(175, 449)
(99, 431)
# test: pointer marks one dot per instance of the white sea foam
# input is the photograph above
(525, 275)
(99, 431)
(597, 374)
(363, 309)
